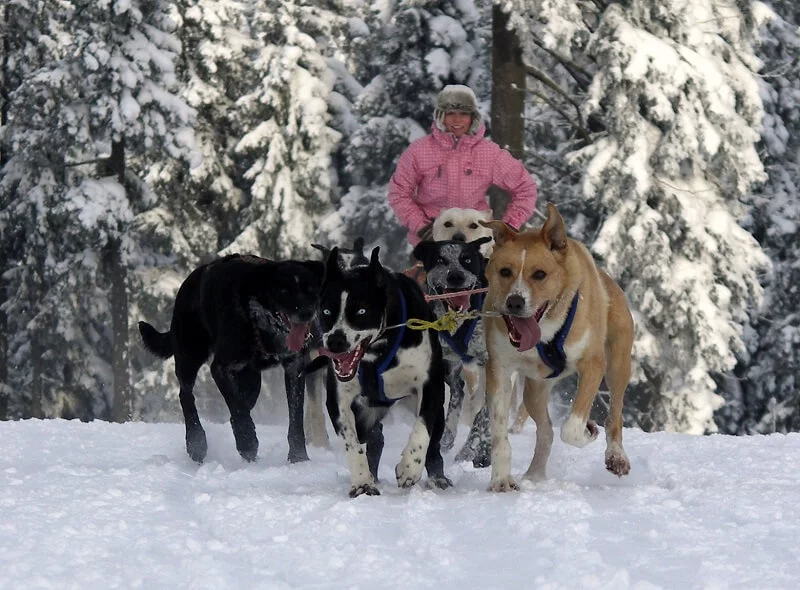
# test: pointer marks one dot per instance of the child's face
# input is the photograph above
(457, 122)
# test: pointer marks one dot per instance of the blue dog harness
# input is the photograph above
(389, 357)
(552, 353)
(459, 341)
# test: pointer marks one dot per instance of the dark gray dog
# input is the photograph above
(454, 266)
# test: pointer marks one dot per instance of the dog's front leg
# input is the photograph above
(498, 397)
(361, 480)
(578, 430)
(456, 383)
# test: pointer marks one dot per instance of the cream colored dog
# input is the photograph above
(559, 314)
(463, 225)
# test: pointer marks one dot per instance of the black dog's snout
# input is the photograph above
(459, 237)
(455, 278)
(337, 342)
(515, 304)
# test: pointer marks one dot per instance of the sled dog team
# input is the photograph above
(495, 305)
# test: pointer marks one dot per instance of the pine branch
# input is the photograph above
(579, 126)
(580, 74)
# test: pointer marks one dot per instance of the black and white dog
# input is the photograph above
(249, 314)
(455, 266)
(377, 360)
(316, 388)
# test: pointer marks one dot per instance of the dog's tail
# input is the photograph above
(159, 343)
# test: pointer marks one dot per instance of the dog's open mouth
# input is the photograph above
(459, 302)
(524, 333)
(345, 364)
(298, 333)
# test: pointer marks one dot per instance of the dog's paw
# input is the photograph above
(578, 433)
(440, 481)
(407, 477)
(503, 484)
(363, 489)
(196, 445)
(448, 438)
(617, 461)
(481, 460)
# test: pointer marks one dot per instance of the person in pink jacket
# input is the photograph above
(454, 166)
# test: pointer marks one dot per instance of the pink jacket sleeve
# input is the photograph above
(511, 176)
(402, 189)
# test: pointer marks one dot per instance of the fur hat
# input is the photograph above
(456, 98)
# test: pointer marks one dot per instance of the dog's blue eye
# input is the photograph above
(326, 312)
(539, 275)
(468, 261)
(361, 311)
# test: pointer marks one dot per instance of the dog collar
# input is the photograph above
(381, 368)
(552, 353)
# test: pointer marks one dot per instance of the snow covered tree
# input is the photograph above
(284, 143)
(765, 395)
(106, 93)
(673, 112)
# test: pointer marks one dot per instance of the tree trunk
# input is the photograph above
(508, 98)
(122, 405)
(4, 95)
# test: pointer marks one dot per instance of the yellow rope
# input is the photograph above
(447, 323)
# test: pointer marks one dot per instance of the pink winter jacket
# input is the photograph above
(435, 173)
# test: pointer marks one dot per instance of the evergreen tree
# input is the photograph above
(108, 90)
(672, 111)
(765, 396)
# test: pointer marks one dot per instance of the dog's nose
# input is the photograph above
(455, 278)
(337, 342)
(459, 237)
(515, 304)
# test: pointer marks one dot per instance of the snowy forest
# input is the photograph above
(141, 138)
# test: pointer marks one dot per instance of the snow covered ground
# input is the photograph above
(121, 506)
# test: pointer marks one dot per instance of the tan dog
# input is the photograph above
(560, 315)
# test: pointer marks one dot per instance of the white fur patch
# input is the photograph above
(411, 372)
(575, 433)
(466, 222)
(412, 461)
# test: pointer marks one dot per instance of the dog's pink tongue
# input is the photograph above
(297, 336)
(528, 330)
(461, 301)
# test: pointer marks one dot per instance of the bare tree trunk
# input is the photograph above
(4, 95)
(508, 98)
(122, 405)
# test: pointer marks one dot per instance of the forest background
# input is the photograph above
(141, 138)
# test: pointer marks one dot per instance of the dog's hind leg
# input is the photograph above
(375, 448)
(196, 444)
(478, 446)
(314, 415)
(240, 390)
(295, 380)
(536, 398)
(456, 383)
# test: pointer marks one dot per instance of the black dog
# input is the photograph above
(250, 314)
(378, 360)
(452, 267)
(349, 258)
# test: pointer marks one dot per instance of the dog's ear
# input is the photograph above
(502, 231)
(423, 250)
(480, 242)
(322, 249)
(358, 245)
(376, 268)
(332, 270)
(554, 231)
